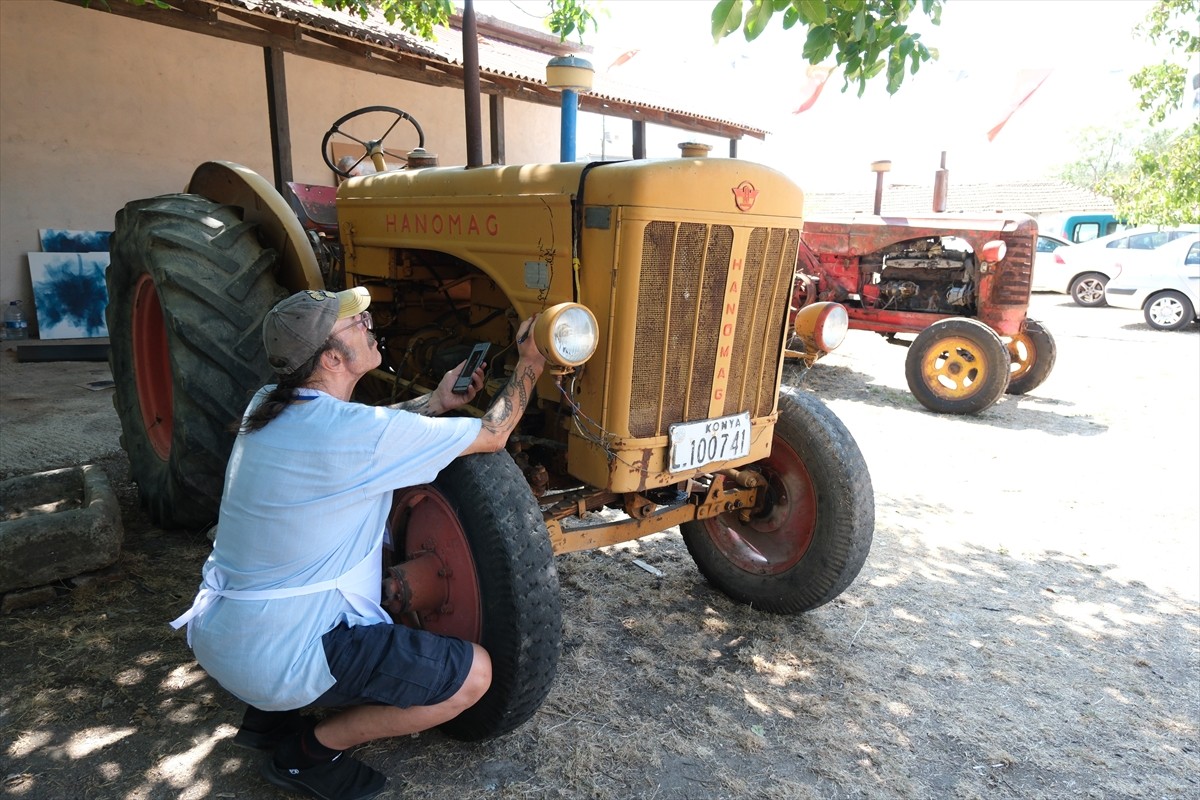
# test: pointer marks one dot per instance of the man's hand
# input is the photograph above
(444, 398)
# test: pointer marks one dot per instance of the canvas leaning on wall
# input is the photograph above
(69, 294)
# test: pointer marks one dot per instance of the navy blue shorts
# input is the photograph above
(393, 665)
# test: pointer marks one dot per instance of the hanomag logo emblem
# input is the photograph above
(744, 195)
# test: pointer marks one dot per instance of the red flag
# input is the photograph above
(812, 89)
(621, 59)
(1028, 81)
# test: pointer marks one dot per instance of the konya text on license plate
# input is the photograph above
(694, 444)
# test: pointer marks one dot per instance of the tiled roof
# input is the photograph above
(1031, 197)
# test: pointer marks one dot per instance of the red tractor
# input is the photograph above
(959, 283)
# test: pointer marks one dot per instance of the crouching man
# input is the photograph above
(288, 612)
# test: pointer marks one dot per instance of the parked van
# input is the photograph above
(1077, 228)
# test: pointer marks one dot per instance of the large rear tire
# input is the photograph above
(957, 366)
(809, 539)
(1031, 354)
(188, 286)
(485, 528)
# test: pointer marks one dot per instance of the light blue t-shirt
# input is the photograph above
(306, 499)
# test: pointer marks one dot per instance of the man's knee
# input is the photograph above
(479, 678)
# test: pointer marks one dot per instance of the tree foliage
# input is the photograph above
(864, 37)
(420, 16)
(1161, 186)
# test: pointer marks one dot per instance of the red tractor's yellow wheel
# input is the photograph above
(957, 366)
(1031, 354)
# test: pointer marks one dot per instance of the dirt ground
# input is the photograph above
(1027, 624)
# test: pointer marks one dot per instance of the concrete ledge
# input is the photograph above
(56, 525)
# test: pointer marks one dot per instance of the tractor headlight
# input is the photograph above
(566, 334)
(822, 326)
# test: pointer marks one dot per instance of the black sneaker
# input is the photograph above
(288, 723)
(344, 778)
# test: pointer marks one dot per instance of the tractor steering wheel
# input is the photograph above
(372, 148)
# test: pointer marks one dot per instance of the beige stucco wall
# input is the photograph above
(97, 110)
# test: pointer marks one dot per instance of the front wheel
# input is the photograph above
(957, 366)
(481, 529)
(1169, 311)
(809, 538)
(188, 287)
(1088, 289)
(1031, 354)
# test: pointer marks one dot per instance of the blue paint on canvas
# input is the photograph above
(55, 240)
(70, 294)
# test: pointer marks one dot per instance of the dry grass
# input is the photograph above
(997, 644)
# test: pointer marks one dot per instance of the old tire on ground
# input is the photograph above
(188, 285)
(957, 366)
(809, 540)
(1168, 311)
(1031, 355)
(485, 526)
(1088, 289)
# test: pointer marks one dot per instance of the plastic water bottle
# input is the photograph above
(15, 324)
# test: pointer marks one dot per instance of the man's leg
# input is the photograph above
(360, 724)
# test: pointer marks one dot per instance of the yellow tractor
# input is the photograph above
(664, 290)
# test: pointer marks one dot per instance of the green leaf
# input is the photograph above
(726, 18)
(819, 44)
(812, 12)
(759, 18)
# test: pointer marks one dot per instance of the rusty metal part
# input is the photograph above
(418, 586)
(538, 478)
(638, 506)
(721, 498)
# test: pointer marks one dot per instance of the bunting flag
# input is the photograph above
(1028, 81)
(811, 90)
(621, 59)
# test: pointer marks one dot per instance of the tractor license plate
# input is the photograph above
(694, 444)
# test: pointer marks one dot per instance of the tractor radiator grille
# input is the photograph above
(1016, 276)
(685, 267)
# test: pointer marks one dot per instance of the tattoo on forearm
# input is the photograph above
(510, 403)
(418, 405)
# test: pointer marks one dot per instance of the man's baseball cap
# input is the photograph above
(298, 326)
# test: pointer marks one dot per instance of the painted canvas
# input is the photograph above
(56, 240)
(69, 294)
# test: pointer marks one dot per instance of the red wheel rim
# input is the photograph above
(423, 523)
(152, 367)
(776, 537)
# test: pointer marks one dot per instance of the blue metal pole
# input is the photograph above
(566, 149)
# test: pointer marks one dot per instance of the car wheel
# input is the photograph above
(1088, 289)
(1168, 311)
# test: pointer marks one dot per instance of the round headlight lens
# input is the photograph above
(833, 326)
(566, 334)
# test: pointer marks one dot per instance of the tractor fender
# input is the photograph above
(232, 184)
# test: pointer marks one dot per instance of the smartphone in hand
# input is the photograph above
(473, 361)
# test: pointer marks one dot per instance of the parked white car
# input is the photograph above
(1164, 287)
(1043, 261)
(1082, 270)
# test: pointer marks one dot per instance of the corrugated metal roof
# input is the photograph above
(506, 52)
